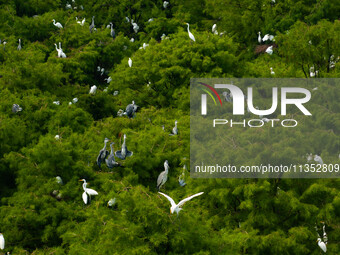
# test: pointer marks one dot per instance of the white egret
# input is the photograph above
(93, 89)
(62, 54)
(58, 50)
(59, 180)
(269, 50)
(58, 25)
(116, 92)
(87, 192)
(68, 6)
(2, 242)
(322, 245)
(69, 103)
(268, 37)
(111, 202)
(124, 152)
(130, 62)
(120, 113)
(56, 102)
(259, 39)
(81, 22)
(175, 129)
(165, 4)
(132, 39)
(163, 176)
(177, 207)
(150, 20)
(191, 36)
(75, 100)
(57, 137)
(108, 80)
(309, 157)
(271, 71)
(311, 72)
(102, 71)
(213, 29)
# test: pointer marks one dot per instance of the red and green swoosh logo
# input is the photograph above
(209, 93)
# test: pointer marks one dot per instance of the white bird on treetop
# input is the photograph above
(269, 50)
(177, 207)
(2, 242)
(87, 192)
(93, 89)
(58, 25)
(130, 62)
(192, 37)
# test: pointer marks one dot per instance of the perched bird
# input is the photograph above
(110, 161)
(132, 39)
(93, 89)
(165, 4)
(92, 25)
(87, 192)
(124, 152)
(163, 176)
(271, 71)
(131, 110)
(63, 55)
(177, 207)
(259, 39)
(318, 159)
(75, 100)
(135, 27)
(181, 178)
(68, 6)
(322, 245)
(58, 25)
(81, 22)
(57, 137)
(2, 242)
(213, 29)
(269, 50)
(108, 80)
(116, 92)
(175, 129)
(16, 108)
(59, 180)
(227, 96)
(56, 102)
(111, 202)
(4, 43)
(311, 72)
(130, 62)
(150, 20)
(19, 46)
(102, 71)
(191, 36)
(112, 33)
(103, 153)
(58, 50)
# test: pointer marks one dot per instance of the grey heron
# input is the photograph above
(92, 25)
(163, 176)
(177, 207)
(112, 33)
(103, 153)
(87, 192)
(19, 46)
(16, 108)
(124, 152)
(181, 178)
(110, 161)
(131, 110)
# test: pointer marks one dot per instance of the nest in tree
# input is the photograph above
(262, 48)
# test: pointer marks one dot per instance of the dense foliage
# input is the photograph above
(234, 216)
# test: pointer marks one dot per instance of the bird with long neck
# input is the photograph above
(163, 176)
(113, 34)
(191, 36)
(103, 153)
(58, 50)
(110, 161)
(92, 24)
(19, 46)
(124, 152)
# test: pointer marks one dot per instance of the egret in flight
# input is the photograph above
(163, 176)
(177, 207)
(87, 192)
(2, 242)
(124, 152)
(192, 37)
(58, 25)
